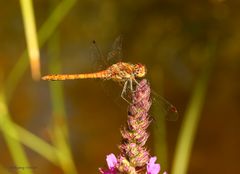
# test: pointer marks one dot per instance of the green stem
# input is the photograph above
(192, 117)
(37, 144)
(31, 36)
(9, 131)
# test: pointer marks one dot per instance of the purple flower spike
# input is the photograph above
(153, 168)
(134, 157)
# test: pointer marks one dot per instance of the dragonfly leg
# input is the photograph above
(131, 83)
(125, 91)
(135, 81)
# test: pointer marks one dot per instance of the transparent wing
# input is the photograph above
(101, 61)
(115, 55)
(163, 108)
(97, 58)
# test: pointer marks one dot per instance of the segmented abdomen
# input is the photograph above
(101, 74)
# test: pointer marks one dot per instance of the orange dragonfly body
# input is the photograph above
(120, 72)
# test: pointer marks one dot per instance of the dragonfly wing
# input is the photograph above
(161, 108)
(101, 62)
(98, 60)
(115, 55)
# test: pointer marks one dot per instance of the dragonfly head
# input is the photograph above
(140, 70)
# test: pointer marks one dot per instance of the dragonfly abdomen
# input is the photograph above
(101, 74)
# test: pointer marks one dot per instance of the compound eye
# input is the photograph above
(137, 71)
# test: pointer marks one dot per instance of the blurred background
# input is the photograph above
(179, 42)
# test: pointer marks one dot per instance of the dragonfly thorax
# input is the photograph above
(123, 71)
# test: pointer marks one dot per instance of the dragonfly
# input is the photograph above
(122, 72)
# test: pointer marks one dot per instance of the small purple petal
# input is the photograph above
(153, 168)
(111, 161)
